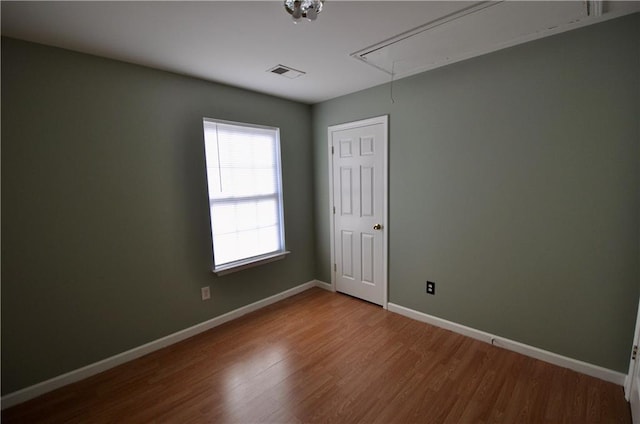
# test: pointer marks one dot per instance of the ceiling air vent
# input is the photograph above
(286, 71)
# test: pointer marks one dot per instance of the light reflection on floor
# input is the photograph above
(256, 379)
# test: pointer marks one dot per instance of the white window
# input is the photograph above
(245, 194)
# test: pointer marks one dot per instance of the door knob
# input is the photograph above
(377, 227)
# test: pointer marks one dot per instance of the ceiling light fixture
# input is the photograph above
(307, 9)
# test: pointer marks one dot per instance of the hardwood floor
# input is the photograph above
(326, 357)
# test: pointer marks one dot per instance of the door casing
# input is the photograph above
(384, 120)
(631, 389)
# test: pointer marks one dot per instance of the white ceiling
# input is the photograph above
(236, 42)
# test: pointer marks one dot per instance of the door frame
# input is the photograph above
(631, 392)
(384, 120)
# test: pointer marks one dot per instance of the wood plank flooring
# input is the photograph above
(326, 357)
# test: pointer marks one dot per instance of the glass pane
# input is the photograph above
(242, 168)
(225, 248)
(265, 181)
(213, 181)
(246, 216)
(263, 153)
(267, 212)
(269, 239)
(243, 182)
(248, 240)
(211, 146)
(223, 219)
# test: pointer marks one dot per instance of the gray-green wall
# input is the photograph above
(514, 185)
(105, 227)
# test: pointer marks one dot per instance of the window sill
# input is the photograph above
(249, 263)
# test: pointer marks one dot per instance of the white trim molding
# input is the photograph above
(325, 286)
(627, 387)
(38, 389)
(531, 351)
(384, 121)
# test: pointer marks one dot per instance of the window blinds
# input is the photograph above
(244, 182)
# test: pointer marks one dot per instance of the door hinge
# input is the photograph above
(334, 210)
(634, 353)
(335, 269)
(331, 149)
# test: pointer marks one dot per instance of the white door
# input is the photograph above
(632, 385)
(359, 187)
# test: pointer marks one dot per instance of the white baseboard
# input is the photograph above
(323, 285)
(36, 390)
(533, 352)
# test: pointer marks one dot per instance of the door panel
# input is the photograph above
(346, 191)
(347, 254)
(367, 249)
(366, 191)
(358, 167)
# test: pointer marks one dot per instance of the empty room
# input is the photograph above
(297, 211)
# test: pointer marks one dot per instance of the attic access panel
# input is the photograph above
(475, 30)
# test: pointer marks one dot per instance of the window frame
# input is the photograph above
(249, 261)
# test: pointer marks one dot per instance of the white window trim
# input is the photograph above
(250, 262)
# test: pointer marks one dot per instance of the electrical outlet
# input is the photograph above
(431, 287)
(206, 293)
